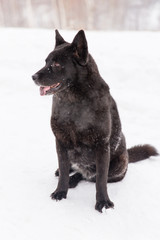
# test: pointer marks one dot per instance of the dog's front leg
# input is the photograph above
(64, 166)
(102, 167)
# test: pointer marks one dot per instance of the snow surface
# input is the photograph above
(130, 63)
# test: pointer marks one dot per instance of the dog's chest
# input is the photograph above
(71, 120)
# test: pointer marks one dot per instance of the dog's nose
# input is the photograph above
(35, 77)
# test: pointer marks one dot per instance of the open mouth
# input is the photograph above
(49, 89)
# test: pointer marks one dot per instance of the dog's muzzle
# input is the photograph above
(35, 77)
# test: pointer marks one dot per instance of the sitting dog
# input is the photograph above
(85, 121)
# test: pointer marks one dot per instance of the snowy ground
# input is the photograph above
(130, 63)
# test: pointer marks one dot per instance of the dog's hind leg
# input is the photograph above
(118, 167)
(75, 179)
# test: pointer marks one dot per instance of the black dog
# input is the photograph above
(85, 121)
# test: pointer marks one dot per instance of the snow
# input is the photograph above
(130, 63)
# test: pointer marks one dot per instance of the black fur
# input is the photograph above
(85, 121)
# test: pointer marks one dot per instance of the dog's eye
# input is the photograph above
(55, 64)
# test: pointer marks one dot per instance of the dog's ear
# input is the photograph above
(80, 48)
(59, 39)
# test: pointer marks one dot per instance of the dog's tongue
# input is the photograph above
(43, 90)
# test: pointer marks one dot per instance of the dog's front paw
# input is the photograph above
(59, 195)
(101, 204)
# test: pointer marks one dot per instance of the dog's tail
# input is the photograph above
(141, 152)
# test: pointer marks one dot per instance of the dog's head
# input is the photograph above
(61, 64)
